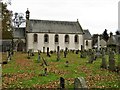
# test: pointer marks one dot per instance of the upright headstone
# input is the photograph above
(65, 52)
(43, 49)
(48, 54)
(58, 53)
(45, 71)
(28, 54)
(79, 83)
(62, 83)
(91, 57)
(111, 60)
(66, 63)
(38, 56)
(104, 64)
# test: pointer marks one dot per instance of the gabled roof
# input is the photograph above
(46, 26)
(87, 35)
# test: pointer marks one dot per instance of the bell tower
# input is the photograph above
(27, 20)
(27, 28)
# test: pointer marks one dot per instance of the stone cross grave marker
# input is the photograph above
(58, 53)
(111, 60)
(62, 82)
(80, 83)
(104, 64)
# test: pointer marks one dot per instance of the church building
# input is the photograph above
(43, 34)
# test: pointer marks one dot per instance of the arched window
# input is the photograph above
(46, 38)
(35, 37)
(76, 39)
(87, 43)
(56, 38)
(66, 39)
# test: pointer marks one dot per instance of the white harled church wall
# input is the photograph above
(89, 44)
(51, 44)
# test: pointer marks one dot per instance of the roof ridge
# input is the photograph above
(53, 21)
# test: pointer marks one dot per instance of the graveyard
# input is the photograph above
(45, 70)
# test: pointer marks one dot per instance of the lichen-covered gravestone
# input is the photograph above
(58, 53)
(38, 56)
(104, 64)
(48, 54)
(91, 57)
(111, 60)
(62, 82)
(65, 52)
(80, 83)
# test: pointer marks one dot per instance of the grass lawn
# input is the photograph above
(21, 72)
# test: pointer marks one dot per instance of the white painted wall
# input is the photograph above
(89, 44)
(52, 45)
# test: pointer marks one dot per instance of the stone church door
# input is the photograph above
(20, 46)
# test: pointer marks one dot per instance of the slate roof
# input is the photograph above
(47, 26)
(87, 35)
(19, 32)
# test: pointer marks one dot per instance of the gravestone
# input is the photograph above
(104, 64)
(62, 83)
(28, 55)
(79, 83)
(77, 51)
(91, 57)
(112, 61)
(45, 71)
(38, 56)
(58, 53)
(48, 54)
(43, 49)
(66, 64)
(65, 52)
(44, 61)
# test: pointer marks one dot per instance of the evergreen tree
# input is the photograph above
(105, 35)
(6, 22)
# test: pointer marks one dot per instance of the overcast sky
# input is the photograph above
(95, 15)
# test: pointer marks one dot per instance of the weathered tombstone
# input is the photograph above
(28, 55)
(45, 71)
(80, 83)
(65, 52)
(58, 53)
(62, 83)
(111, 61)
(43, 49)
(104, 64)
(77, 51)
(66, 64)
(91, 57)
(38, 56)
(48, 54)
(44, 61)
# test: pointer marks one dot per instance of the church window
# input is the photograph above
(46, 38)
(35, 37)
(56, 38)
(76, 39)
(66, 39)
(87, 43)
